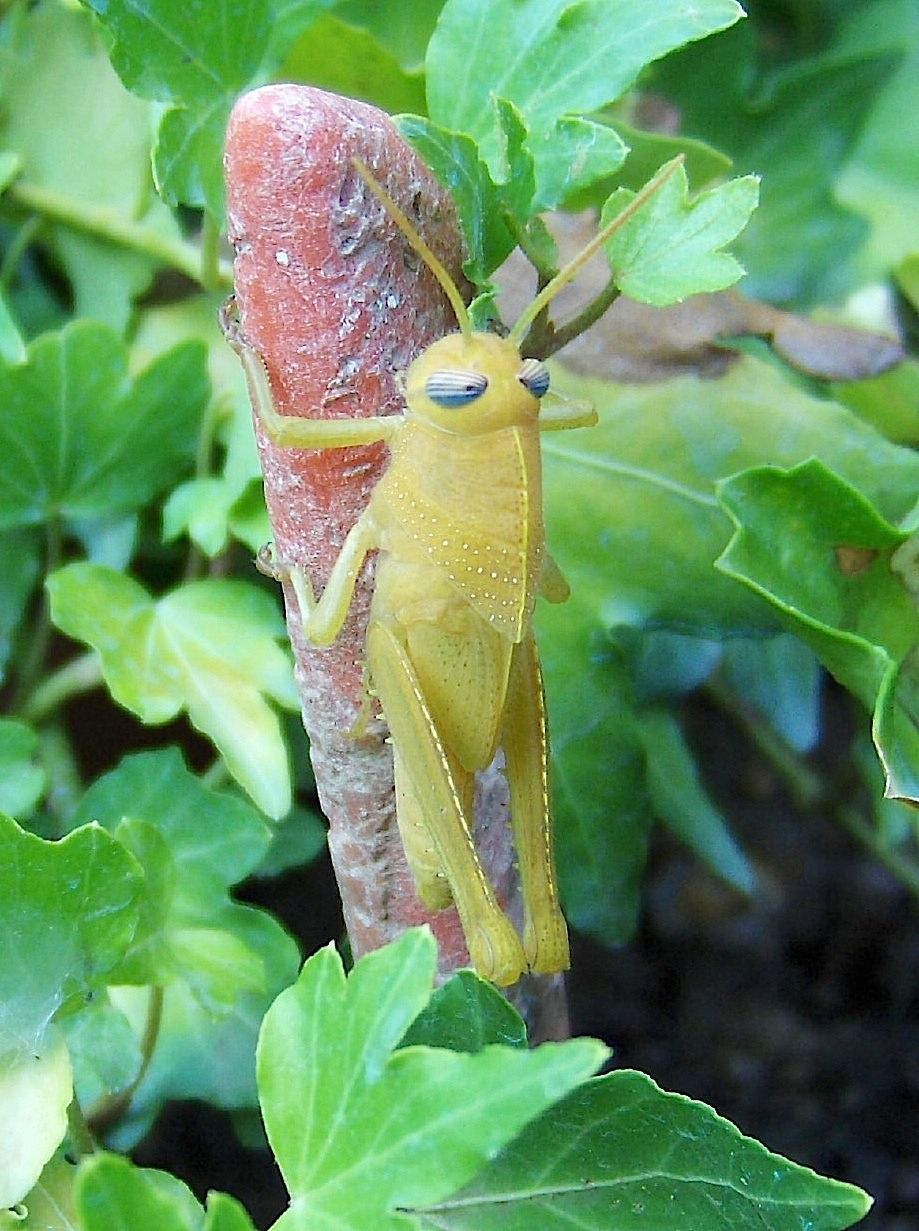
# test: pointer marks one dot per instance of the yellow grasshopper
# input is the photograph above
(458, 523)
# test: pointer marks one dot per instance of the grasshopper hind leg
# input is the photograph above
(525, 743)
(424, 768)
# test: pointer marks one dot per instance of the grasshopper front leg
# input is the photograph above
(294, 431)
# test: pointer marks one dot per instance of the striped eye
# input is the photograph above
(534, 376)
(451, 389)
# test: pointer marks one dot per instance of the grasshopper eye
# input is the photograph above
(534, 376)
(451, 388)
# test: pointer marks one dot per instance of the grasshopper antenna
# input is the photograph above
(573, 268)
(433, 264)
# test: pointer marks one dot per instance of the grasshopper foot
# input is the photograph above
(545, 940)
(267, 563)
(496, 951)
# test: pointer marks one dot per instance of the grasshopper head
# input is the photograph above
(474, 383)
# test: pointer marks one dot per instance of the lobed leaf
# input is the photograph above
(823, 555)
(210, 648)
(466, 1014)
(36, 1088)
(68, 910)
(197, 58)
(22, 782)
(59, 87)
(671, 248)
(796, 127)
(194, 844)
(82, 439)
(681, 802)
(550, 58)
(359, 1131)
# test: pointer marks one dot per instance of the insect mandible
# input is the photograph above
(457, 521)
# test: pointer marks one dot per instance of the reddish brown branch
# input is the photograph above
(334, 301)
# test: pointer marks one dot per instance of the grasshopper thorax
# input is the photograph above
(473, 383)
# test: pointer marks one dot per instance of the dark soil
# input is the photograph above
(796, 1015)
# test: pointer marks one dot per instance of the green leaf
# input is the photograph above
(405, 30)
(631, 510)
(36, 1089)
(22, 782)
(19, 564)
(68, 912)
(199, 1055)
(824, 556)
(550, 58)
(602, 819)
(670, 248)
(224, 1213)
(197, 58)
(880, 178)
(114, 1195)
(889, 402)
(780, 677)
(620, 1154)
(361, 1132)
(681, 802)
(466, 1014)
(210, 648)
(83, 139)
(454, 159)
(574, 155)
(104, 1050)
(49, 1205)
(12, 346)
(795, 127)
(647, 153)
(346, 59)
(295, 841)
(193, 844)
(82, 439)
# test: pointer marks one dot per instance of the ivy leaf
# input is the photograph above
(631, 505)
(620, 1154)
(82, 440)
(823, 555)
(681, 802)
(210, 648)
(780, 677)
(104, 1050)
(193, 844)
(347, 59)
(197, 58)
(199, 1055)
(670, 248)
(359, 1131)
(466, 1014)
(19, 563)
(577, 154)
(550, 58)
(67, 914)
(603, 821)
(113, 1195)
(796, 128)
(454, 159)
(59, 63)
(36, 1089)
(22, 782)
(49, 1205)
